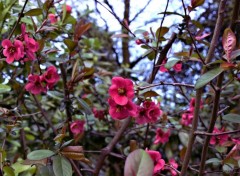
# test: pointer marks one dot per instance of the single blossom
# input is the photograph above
(52, 18)
(120, 112)
(187, 118)
(77, 127)
(68, 8)
(173, 163)
(162, 136)
(34, 84)
(121, 90)
(13, 51)
(219, 140)
(51, 77)
(157, 160)
(148, 113)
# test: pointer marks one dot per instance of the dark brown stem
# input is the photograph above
(210, 55)
(212, 124)
(75, 167)
(166, 84)
(216, 134)
(23, 143)
(125, 40)
(44, 114)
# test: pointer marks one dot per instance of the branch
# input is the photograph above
(216, 134)
(165, 84)
(140, 11)
(210, 55)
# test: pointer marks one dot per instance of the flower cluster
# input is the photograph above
(187, 116)
(177, 67)
(121, 94)
(99, 114)
(40, 83)
(22, 48)
(54, 18)
(77, 127)
(149, 112)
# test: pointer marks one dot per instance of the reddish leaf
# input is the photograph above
(119, 35)
(196, 3)
(138, 163)
(80, 29)
(228, 42)
(202, 36)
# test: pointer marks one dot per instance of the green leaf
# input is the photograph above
(163, 31)
(171, 62)
(207, 77)
(8, 171)
(138, 163)
(235, 118)
(233, 55)
(150, 94)
(40, 154)
(34, 12)
(70, 44)
(61, 166)
(85, 106)
(196, 3)
(213, 161)
(4, 88)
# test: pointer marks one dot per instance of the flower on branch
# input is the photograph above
(13, 51)
(120, 112)
(157, 160)
(77, 127)
(220, 139)
(35, 85)
(51, 77)
(148, 113)
(121, 90)
(162, 136)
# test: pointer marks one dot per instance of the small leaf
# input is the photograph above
(228, 42)
(40, 154)
(4, 88)
(138, 163)
(85, 106)
(70, 44)
(196, 3)
(171, 62)
(213, 160)
(207, 77)
(234, 54)
(61, 166)
(163, 31)
(235, 118)
(34, 12)
(150, 94)
(8, 171)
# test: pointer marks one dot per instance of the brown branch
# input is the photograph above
(23, 142)
(125, 40)
(75, 167)
(216, 134)
(166, 84)
(107, 150)
(44, 114)
(210, 55)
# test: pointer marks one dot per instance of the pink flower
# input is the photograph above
(148, 113)
(52, 18)
(34, 84)
(187, 118)
(120, 112)
(51, 77)
(77, 127)
(219, 140)
(158, 162)
(99, 114)
(68, 8)
(13, 51)
(173, 163)
(162, 136)
(192, 104)
(121, 90)
(30, 45)
(177, 67)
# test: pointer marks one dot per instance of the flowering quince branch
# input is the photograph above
(105, 151)
(216, 134)
(210, 54)
(165, 84)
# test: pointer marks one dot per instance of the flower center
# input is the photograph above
(12, 49)
(121, 91)
(118, 108)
